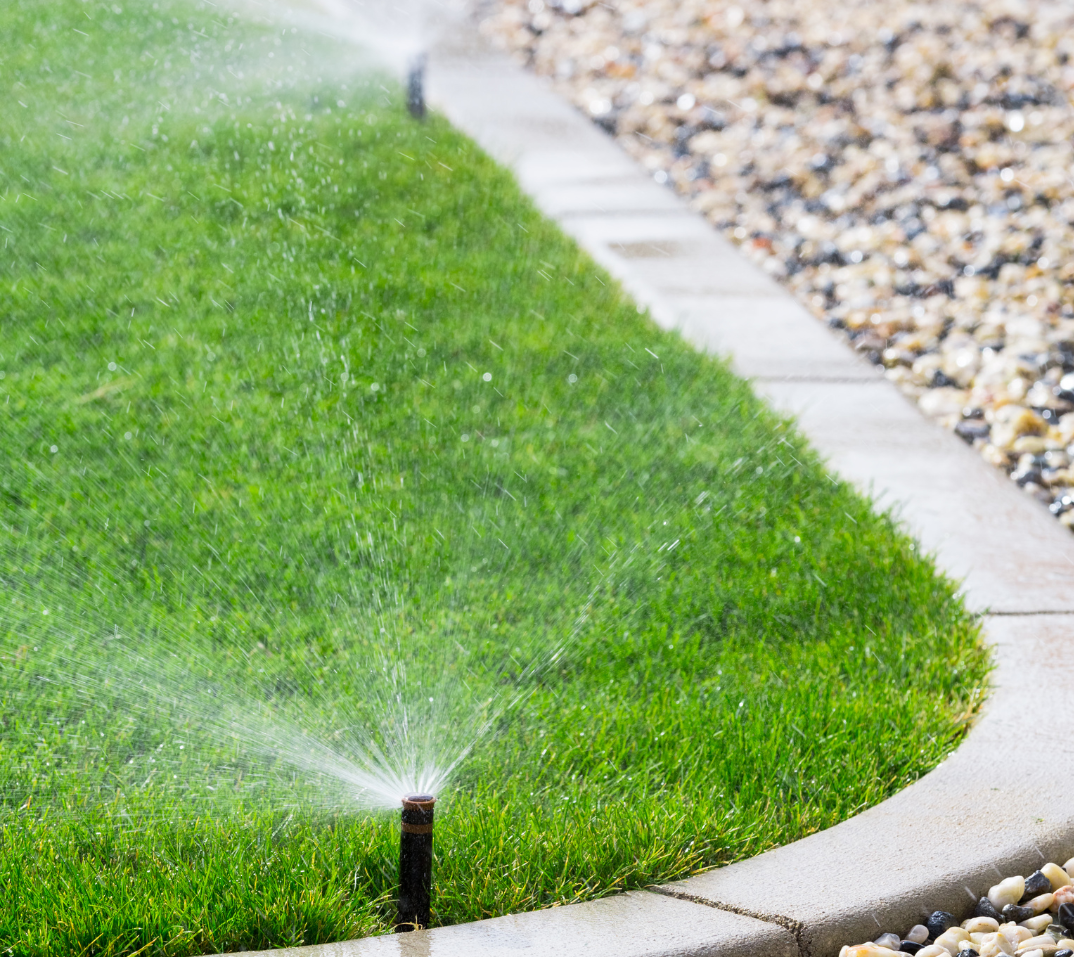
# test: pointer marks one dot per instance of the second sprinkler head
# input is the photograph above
(415, 87)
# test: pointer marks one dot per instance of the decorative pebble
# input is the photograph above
(1016, 913)
(951, 939)
(869, 949)
(1006, 892)
(984, 908)
(902, 169)
(1038, 924)
(980, 925)
(938, 922)
(1044, 944)
(1065, 895)
(1041, 903)
(993, 945)
(1043, 925)
(1069, 868)
(1037, 883)
(1057, 877)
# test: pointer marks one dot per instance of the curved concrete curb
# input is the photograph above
(1001, 803)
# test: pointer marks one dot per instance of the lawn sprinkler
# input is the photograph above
(415, 862)
(415, 87)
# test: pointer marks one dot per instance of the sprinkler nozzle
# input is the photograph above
(415, 87)
(415, 862)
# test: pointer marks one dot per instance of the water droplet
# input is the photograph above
(128, 435)
(487, 377)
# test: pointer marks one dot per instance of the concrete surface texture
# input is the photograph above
(997, 806)
(636, 924)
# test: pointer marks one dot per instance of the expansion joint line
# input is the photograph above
(795, 927)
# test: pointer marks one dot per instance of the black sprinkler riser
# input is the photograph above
(415, 862)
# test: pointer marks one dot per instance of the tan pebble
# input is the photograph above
(1044, 943)
(993, 945)
(1054, 872)
(1033, 444)
(1008, 891)
(1065, 943)
(1069, 867)
(933, 950)
(1012, 422)
(950, 939)
(1038, 923)
(980, 925)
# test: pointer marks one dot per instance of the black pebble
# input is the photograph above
(984, 908)
(938, 922)
(1066, 916)
(910, 947)
(1036, 884)
(1064, 953)
(1017, 913)
(968, 953)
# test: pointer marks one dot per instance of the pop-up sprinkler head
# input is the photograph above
(415, 862)
(415, 87)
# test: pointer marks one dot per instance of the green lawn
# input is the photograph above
(309, 421)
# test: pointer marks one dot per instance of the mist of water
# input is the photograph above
(394, 33)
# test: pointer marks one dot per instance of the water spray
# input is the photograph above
(415, 87)
(415, 862)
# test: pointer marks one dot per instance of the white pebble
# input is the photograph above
(1041, 903)
(1015, 934)
(950, 939)
(1069, 868)
(890, 941)
(919, 933)
(1006, 892)
(1038, 923)
(1056, 875)
(980, 925)
(933, 950)
(993, 945)
(1044, 944)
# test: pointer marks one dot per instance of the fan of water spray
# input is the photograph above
(394, 708)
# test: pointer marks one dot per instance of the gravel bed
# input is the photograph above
(1028, 916)
(904, 168)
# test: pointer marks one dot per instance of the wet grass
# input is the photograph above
(278, 362)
